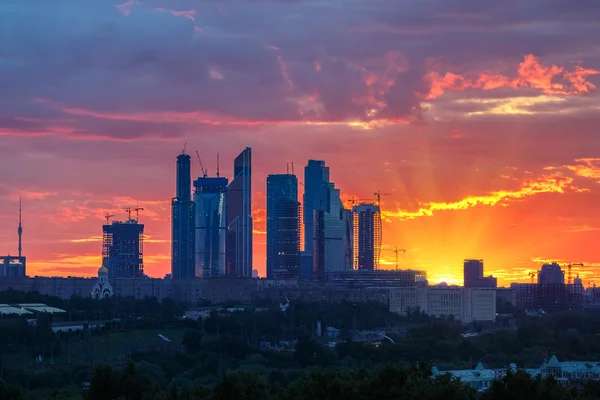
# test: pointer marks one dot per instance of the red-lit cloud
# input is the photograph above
(550, 79)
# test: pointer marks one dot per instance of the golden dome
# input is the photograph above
(103, 270)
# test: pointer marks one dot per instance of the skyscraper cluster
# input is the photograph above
(212, 232)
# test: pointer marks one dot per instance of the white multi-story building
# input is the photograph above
(465, 304)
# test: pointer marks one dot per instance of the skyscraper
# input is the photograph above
(183, 215)
(239, 217)
(123, 249)
(316, 198)
(283, 227)
(211, 226)
(367, 239)
(330, 245)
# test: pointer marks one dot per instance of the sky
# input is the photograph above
(481, 119)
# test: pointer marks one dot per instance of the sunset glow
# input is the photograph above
(484, 127)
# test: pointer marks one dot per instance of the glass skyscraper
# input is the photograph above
(211, 226)
(183, 228)
(316, 198)
(283, 227)
(239, 218)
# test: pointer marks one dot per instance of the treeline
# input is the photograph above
(384, 383)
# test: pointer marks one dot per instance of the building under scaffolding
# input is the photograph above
(122, 249)
(367, 236)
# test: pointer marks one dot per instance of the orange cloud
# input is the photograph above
(530, 74)
(545, 184)
(588, 168)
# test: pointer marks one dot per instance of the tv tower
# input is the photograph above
(20, 230)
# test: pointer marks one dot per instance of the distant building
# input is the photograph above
(367, 246)
(463, 303)
(239, 217)
(551, 274)
(473, 275)
(283, 227)
(183, 220)
(330, 243)
(306, 267)
(255, 273)
(211, 226)
(102, 289)
(123, 249)
(13, 266)
(316, 192)
(377, 278)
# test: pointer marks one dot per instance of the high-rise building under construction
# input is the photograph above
(367, 236)
(123, 249)
(183, 223)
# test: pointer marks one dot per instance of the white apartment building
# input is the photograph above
(465, 304)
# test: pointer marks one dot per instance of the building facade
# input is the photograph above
(551, 274)
(13, 266)
(211, 226)
(367, 236)
(183, 219)
(123, 249)
(239, 218)
(330, 242)
(283, 227)
(464, 304)
(316, 192)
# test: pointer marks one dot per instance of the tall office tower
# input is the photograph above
(283, 227)
(316, 198)
(211, 226)
(239, 218)
(123, 249)
(183, 220)
(367, 236)
(329, 247)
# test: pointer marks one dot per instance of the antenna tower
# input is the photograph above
(218, 167)
(20, 230)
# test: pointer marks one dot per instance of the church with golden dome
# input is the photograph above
(102, 289)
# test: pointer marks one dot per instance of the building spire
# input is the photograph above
(20, 230)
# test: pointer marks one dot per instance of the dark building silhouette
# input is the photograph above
(183, 220)
(473, 275)
(316, 198)
(283, 227)
(211, 226)
(551, 274)
(367, 239)
(239, 218)
(123, 249)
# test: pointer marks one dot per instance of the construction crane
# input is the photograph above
(569, 280)
(108, 217)
(204, 171)
(137, 212)
(378, 195)
(397, 250)
(532, 275)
